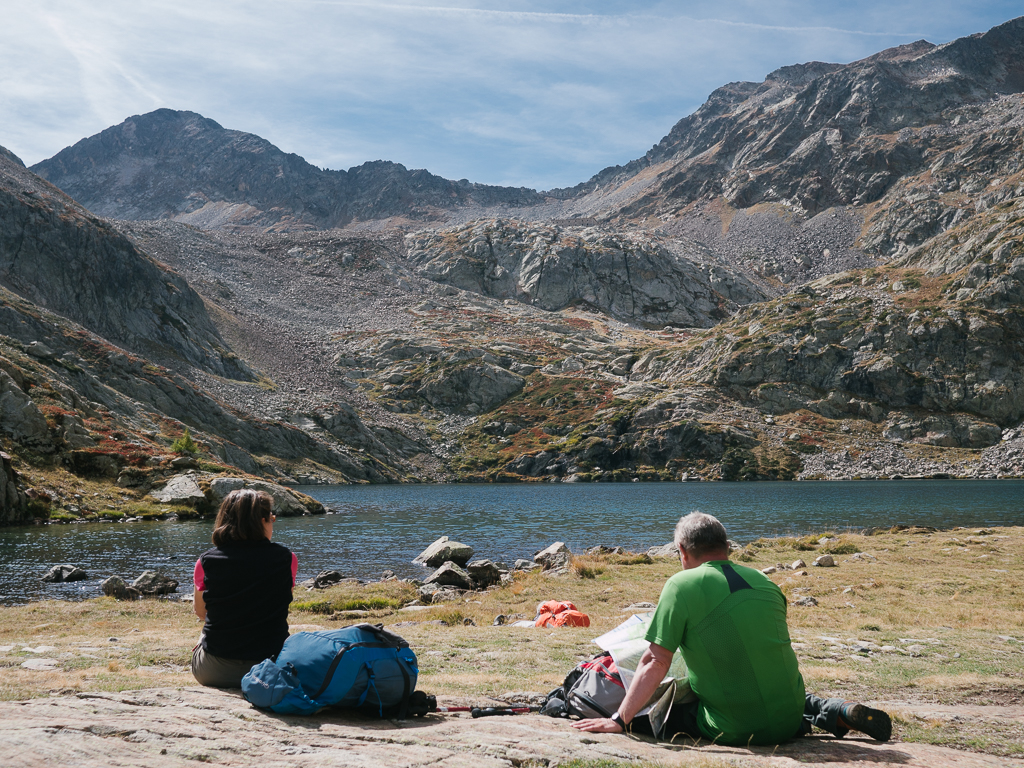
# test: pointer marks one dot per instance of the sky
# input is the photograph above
(520, 93)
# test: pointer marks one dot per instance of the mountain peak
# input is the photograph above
(183, 166)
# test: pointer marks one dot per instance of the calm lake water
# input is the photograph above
(386, 526)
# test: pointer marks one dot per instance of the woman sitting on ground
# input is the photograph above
(243, 587)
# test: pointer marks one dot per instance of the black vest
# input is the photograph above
(248, 590)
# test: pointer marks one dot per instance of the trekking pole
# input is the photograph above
(492, 711)
(489, 711)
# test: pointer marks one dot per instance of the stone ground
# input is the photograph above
(183, 726)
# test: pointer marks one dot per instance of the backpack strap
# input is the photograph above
(403, 705)
(370, 684)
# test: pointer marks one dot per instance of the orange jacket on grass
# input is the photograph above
(554, 613)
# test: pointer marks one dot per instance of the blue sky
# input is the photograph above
(538, 94)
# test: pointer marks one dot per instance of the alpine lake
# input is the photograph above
(376, 527)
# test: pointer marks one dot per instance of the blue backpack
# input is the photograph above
(362, 666)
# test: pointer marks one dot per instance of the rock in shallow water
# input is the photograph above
(61, 573)
(153, 583)
(117, 588)
(444, 550)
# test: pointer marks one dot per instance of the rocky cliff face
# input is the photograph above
(182, 166)
(629, 276)
(56, 254)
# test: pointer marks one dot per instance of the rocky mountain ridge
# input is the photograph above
(819, 135)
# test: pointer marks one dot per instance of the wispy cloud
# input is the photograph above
(541, 94)
(588, 18)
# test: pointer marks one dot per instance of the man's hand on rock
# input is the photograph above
(599, 725)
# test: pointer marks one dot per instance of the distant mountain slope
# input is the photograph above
(817, 135)
(57, 255)
(181, 165)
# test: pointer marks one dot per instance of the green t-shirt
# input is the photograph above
(729, 621)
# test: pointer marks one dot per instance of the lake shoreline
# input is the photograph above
(384, 527)
(135, 511)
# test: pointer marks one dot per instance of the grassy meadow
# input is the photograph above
(906, 617)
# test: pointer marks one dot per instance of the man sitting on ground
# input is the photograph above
(729, 621)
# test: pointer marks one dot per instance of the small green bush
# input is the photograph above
(185, 444)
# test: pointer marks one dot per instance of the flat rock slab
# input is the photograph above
(185, 726)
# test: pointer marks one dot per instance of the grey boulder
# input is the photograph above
(181, 489)
(117, 588)
(555, 556)
(326, 579)
(450, 575)
(483, 573)
(665, 550)
(153, 583)
(526, 565)
(287, 503)
(61, 573)
(444, 550)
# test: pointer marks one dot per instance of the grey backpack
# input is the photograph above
(593, 688)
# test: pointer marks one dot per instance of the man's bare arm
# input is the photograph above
(653, 667)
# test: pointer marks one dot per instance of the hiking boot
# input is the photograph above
(873, 722)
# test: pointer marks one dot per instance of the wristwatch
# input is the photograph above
(617, 718)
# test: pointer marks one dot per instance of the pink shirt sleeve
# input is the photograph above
(199, 576)
(295, 567)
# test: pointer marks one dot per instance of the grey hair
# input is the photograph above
(700, 534)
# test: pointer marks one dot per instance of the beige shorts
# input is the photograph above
(217, 672)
